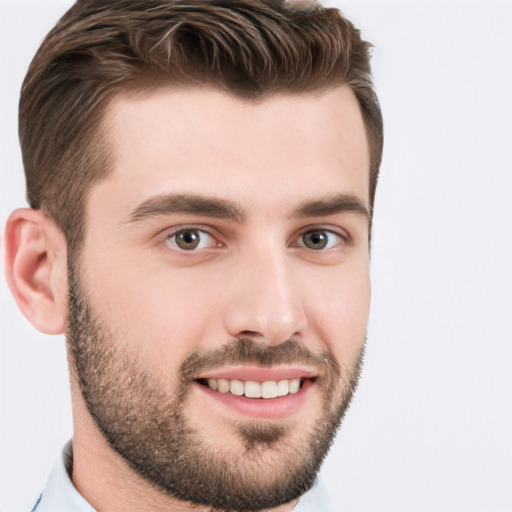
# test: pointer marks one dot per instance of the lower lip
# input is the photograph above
(269, 408)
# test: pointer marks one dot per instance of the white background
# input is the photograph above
(431, 425)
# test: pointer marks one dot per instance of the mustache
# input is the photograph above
(248, 351)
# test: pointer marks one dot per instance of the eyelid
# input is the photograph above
(168, 233)
(213, 233)
(342, 233)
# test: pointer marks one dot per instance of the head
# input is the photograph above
(209, 168)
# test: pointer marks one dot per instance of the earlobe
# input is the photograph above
(36, 269)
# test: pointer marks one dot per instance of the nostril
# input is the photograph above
(249, 334)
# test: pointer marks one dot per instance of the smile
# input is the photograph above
(254, 389)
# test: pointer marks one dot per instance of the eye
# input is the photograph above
(320, 239)
(190, 239)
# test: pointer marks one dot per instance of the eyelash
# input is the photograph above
(330, 233)
(298, 241)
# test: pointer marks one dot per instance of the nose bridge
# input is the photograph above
(266, 303)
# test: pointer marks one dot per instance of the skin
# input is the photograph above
(252, 277)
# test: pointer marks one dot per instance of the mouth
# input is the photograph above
(266, 390)
(258, 392)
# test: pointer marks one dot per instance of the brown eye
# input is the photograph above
(320, 239)
(190, 240)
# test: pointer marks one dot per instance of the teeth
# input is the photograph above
(222, 385)
(283, 388)
(237, 387)
(269, 389)
(253, 389)
(294, 385)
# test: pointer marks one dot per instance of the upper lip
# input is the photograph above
(258, 373)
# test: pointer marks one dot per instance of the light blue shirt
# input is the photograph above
(60, 494)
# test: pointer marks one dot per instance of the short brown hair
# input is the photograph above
(249, 48)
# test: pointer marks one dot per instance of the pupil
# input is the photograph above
(315, 240)
(187, 240)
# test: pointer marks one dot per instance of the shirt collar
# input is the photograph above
(60, 493)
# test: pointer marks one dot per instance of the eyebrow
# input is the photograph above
(223, 209)
(189, 204)
(331, 205)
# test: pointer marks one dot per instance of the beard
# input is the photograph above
(147, 425)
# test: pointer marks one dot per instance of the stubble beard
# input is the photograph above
(148, 427)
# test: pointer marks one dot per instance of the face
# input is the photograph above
(219, 306)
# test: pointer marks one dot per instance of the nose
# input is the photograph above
(264, 303)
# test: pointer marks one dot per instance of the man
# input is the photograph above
(201, 176)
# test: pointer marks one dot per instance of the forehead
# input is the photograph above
(285, 147)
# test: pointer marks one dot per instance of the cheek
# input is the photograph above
(160, 316)
(341, 312)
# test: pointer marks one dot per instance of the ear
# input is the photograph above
(36, 269)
